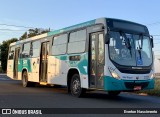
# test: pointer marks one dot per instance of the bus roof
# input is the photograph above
(29, 39)
(80, 25)
(84, 24)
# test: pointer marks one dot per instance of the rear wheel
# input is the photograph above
(75, 86)
(113, 93)
(25, 81)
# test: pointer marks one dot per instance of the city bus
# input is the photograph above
(104, 54)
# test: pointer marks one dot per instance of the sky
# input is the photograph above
(56, 14)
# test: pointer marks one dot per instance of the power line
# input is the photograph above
(157, 43)
(22, 26)
(155, 35)
(156, 38)
(156, 50)
(16, 26)
(11, 30)
(153, 23)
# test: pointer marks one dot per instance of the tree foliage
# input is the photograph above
(33, 32)
(24, 36)
(4, 47)
(4, 52)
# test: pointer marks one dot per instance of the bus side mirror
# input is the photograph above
(107, 39)
(107, 36)
(152, 44)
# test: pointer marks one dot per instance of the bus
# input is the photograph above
(106, 54)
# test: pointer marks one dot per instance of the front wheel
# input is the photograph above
(75, 86)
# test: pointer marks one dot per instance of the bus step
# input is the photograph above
(43, 83)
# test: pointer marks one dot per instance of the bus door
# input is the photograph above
(44, 61)
(96, 60)
(15, 69)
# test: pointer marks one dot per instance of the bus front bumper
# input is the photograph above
(112, 84)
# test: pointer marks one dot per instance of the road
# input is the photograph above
(13, 95)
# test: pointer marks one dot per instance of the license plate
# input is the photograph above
(137, 87)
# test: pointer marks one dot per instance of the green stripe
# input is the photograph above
(72, 27)
(24, 63)
(78, 64)
(112, 84)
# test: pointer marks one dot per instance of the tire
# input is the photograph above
(75, 86)
(113, 93)
(25, 81)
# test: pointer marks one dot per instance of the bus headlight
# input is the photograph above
(113, 73)
(152, 76)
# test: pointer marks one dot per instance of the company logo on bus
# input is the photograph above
(127, 77)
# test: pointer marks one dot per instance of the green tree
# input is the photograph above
(33, 32)
(24, 36)
(4, 47)
(4, 52)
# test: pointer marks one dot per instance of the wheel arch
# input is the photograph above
(23, 70)
(71, 72)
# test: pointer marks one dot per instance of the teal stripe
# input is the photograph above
(78, 64)
(24, 63)
(112, 84)
(72, 27)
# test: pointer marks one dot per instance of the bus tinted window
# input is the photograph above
(59, 44)
(78, 36)
(26, 50)
(11, 53)
(35, 49)
(77, 42)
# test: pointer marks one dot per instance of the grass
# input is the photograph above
(155, 91)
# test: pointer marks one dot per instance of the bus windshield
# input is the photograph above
(130, 49)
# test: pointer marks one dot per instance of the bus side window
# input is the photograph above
(59, 45)
(31, 50)
(101, 49)
(35, 49)
(11, 53)
(77, 41)
(26, 50)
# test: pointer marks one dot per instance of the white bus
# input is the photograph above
(102, 54)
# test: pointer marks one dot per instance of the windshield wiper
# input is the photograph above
(140, 46)
(127, 43)
(139, 50)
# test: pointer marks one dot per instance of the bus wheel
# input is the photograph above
(75, 86)
(113, 93)
(25, 81)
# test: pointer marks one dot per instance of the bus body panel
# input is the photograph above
(112, 84)
(60, 65)
(10, 67)
(25, 64)
(35, 69)
(82, 66)
(19, 76)
(57, 70)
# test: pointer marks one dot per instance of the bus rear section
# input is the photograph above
(13, 61)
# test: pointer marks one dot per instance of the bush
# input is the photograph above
(155, 91)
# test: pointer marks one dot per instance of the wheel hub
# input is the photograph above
(76, 86)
